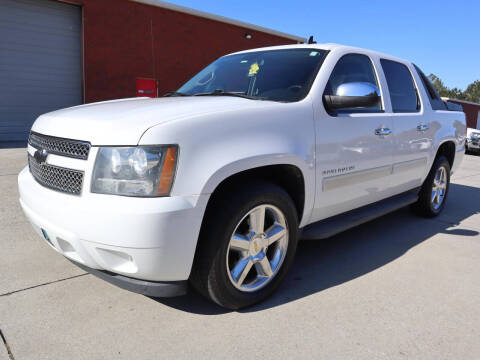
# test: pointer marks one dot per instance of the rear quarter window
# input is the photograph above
(435, 101)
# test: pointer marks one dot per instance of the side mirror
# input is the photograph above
(353, 95)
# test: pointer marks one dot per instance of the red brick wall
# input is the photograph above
(118, 36)
(471, 113)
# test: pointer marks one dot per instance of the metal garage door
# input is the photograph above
(40, 62)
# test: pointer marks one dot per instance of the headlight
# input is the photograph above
(135, 171)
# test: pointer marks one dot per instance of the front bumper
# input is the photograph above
(148, 288)
(473, 144)
(147, 239)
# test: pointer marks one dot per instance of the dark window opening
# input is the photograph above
(278, 75)
(433, 96)
(403, 93)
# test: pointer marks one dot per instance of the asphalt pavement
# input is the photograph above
(400, 287)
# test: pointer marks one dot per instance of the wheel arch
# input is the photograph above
(289, 175)
(447, 148)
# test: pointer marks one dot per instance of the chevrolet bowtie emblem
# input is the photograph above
(41, 156)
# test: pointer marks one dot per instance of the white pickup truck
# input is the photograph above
(214, 183)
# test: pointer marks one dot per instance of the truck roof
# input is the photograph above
(325, 46)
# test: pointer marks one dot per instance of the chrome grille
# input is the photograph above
(60, 146)
(57, 178)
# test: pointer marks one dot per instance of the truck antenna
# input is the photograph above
(311, 41)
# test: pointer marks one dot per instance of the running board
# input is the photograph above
(339, 223)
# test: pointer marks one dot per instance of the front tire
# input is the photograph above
(434, 191)
(247, 244)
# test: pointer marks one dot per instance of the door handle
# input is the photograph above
(383, 131)
(422, 127)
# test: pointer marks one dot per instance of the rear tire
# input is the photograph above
(434, 191)
(236, 263)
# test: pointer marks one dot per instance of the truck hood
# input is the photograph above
(123, 122)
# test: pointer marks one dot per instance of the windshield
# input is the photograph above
(278, 75)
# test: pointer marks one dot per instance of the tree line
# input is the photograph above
(471, 93)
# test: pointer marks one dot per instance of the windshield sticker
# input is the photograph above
(253, 69)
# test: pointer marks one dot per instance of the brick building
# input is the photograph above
(471, 110)
(55, 54)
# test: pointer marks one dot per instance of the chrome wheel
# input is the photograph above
(439, 188)
(257, 248)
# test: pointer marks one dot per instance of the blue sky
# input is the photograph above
(442, 37)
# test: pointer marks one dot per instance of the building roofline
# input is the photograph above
(190, 11)
(461, 101)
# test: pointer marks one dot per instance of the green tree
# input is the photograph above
(471, 93)
(439, 85)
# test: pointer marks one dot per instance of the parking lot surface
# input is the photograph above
(396, 288)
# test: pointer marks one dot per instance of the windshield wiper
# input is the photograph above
(220, 92)
(176, 93)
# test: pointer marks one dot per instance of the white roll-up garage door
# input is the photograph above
(40, 62)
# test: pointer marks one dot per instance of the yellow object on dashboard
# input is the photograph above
(253, 69)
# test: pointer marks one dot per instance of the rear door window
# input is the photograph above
(403, 93)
